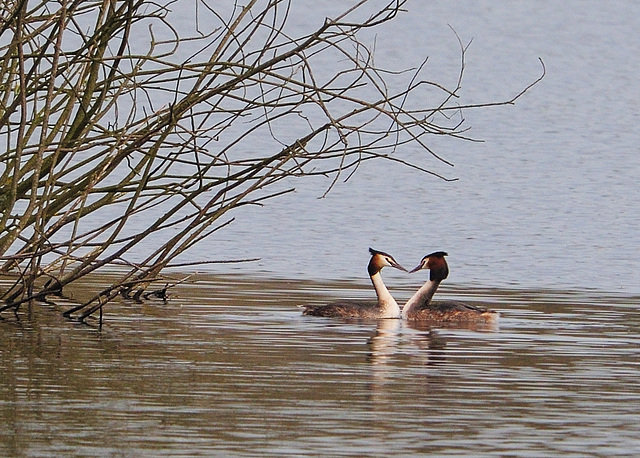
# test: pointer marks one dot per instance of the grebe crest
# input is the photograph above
(437, 265)
(380, 259)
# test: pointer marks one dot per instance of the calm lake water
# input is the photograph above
(542, 226)
(549, 199)
(230, 366)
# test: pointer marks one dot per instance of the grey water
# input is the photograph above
(542, 226)
(549, 198)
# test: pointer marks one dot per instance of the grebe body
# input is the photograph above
(385, 307)
(420, 307)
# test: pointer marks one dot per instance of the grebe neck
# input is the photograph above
(388, 305)
(421, 298)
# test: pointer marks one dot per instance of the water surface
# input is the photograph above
(542, 226)
(546, 201)
(229, 365)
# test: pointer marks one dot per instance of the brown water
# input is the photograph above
(230, 366)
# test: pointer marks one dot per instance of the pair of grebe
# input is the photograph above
(418, 308)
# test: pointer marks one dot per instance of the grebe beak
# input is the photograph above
(399, 267)
(419, 267)
(415, 269)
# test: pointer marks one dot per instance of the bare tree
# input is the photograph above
(120, 133)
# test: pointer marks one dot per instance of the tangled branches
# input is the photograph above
(120, 133)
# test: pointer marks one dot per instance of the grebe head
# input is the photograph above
(380, 259)
(437, 265)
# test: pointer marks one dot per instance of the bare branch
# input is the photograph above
(122, 135)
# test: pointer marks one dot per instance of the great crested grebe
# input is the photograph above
(420, 308)
(386, 307)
